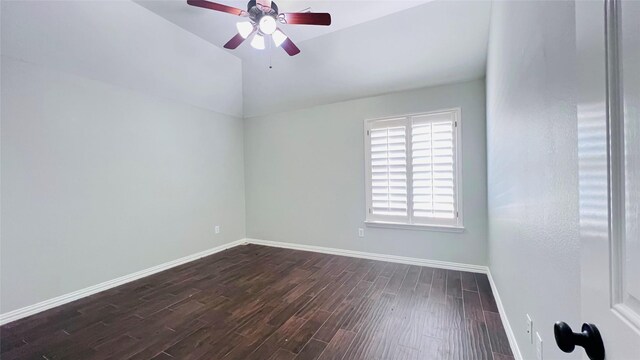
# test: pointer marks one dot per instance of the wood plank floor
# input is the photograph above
(256, 302)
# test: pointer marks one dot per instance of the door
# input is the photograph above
(608, 49)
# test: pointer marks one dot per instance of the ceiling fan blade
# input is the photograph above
(307, 18)
(290, 47)
(264, 3)
(235, 42)
(217, 7)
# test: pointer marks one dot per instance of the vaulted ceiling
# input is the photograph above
(371, 47)
(217, 27)
(174, 50)
(122, 44)
(432, 44)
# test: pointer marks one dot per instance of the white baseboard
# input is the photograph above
(374, 256)
(505, 322)
(66, 298)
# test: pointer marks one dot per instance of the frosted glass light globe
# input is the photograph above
(245, 28)
(258, 42)
(267, 25)
(278, 37)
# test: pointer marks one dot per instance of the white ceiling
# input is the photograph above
(123, 44)
(431, 44)
(371, 48)
(218, 28)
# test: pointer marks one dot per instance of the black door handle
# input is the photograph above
(589, 339)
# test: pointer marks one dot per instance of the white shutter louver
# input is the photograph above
(388, 182)
(412, 169)
(433, 168)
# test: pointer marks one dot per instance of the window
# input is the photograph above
(412, 170)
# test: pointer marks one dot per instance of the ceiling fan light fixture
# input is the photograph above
(267, 24)
(258, 42)
(278, 37)
(263, 17)
(245, 28)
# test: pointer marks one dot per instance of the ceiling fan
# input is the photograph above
(263, 22)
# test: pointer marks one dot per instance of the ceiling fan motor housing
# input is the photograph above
(255, 12)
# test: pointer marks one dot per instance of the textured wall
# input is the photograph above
(534, 252)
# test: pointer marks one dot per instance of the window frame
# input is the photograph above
(408, 222)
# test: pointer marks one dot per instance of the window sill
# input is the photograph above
(391, 225)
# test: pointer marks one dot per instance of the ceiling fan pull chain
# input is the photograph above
(270, 50)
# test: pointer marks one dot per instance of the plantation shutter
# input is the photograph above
(433, 146)
(412, 169)
(388, 164)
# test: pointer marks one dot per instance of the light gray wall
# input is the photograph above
(99, 181)
(113, 159)
(304, 174)
(534, 252)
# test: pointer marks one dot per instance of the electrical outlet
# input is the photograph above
(360, 232)
(529, 329)
(538, 346)
(217, 229)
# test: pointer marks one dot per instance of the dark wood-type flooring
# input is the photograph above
(256, 302)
